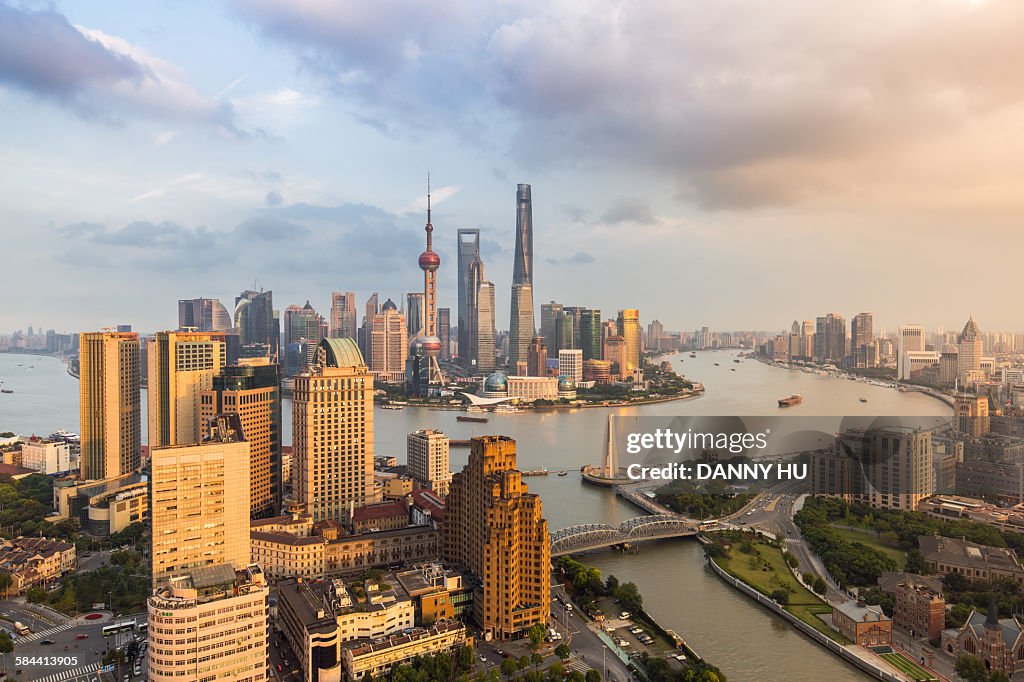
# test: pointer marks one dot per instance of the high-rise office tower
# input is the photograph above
(332, 432)
(590, 333)
(894, 465)
(370, 311)
(537, 358)
(970, 415)
(110, 407)
(414, 313)
(820, 339)
(549, 314)
(200, 501)
(343, 315)
(389, 340)
(467, 355)
(204, 315)
(304, 328)
(969, 351)
(444, 332)
(427, 453)
(257, 321)
(181, 365)
(484, 328)
(861, 330)
(629, 329)
(468, 251)
(251, 389)
(201, 569)
(655, 330)
(521, 328)
(563, 330)
(496, 529)
(910, 338)
(835, 337)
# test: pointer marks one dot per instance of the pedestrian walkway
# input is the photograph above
(84, 671)
(33, 636)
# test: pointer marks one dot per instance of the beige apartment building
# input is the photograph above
(495, 528)
(379, 657)
(389, 343)
(332, 422)
(110, 408)
(209, 623)
(629, 329)
(181, 365)
(200, 503)
(428, 458)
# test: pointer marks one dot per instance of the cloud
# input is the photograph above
(144, 245)
(578, 258)
(710, 94)
(274, 198)
(438, 195)
(98, 75)
(628, 210)
(270, 228)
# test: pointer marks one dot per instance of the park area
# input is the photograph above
(908, 667)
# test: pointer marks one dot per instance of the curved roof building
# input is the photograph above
(339, 352)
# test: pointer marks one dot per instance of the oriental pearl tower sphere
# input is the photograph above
(429, 262)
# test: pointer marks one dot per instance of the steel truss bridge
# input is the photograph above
(590, 536)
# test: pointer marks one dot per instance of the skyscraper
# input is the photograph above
(370, 311)
(203, 314)
(424, 370)
(256, 320)
(537, 358)
(444, 332)
(836, 337)
(484, 328)
(969, 351)
(590, 333)
(468, 354)
(304, 328)
(549, 314)
(251, 389)
(427, 453)
(468, 251)
(414, 319)
(332, 432)
(343, 315)
(629, 330)
(655, 330)
(496, 529)
(181, 365)
(910, 339)
(521, 328)
(389, 343)
(201, 569)
(109, 403)
(200, 502)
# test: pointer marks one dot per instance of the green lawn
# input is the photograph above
(803, 603)
(867, 537)
(904, 664)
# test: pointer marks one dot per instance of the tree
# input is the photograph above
(524, 662)
(611, 584)
(536, 634)
(629, 596)
(970, 668)
(536, 659)
(509, 668)
(6, 643)
(562, 651)
(819, 585)
(592, 676)
(999, 676)
(35, 595)
(465, 658)
(781, 596)
(556, 671)
(5, 582)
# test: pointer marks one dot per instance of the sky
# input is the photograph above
(735, 164)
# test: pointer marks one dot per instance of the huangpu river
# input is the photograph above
(744, 640)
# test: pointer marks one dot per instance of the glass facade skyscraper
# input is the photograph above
(468, 251)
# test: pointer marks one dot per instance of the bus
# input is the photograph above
(143, 628)
(124, 626)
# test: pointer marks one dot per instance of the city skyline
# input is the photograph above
(220, 154)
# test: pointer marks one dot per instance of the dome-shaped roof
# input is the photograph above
(565, 383)
(429, 260)
(342, 352)
(496, 382)
(388, 305)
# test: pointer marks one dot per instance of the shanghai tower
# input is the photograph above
(521, 327)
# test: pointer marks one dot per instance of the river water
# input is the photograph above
(743, 639)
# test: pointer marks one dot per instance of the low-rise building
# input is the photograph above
(36, 561)
(994, 480)
(998, 642)
(944, 555)
(106, 506)
(918, 604)
(371, 518)
(862, 623)
(379, 657)
(46, 457)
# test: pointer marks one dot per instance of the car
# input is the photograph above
(279, 668)
(46, 642)
(82, 636)
(483, 659)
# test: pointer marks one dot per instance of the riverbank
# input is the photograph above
(832, 641)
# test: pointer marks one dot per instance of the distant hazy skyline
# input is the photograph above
(735, 165)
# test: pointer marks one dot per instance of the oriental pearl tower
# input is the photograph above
(428, 345)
